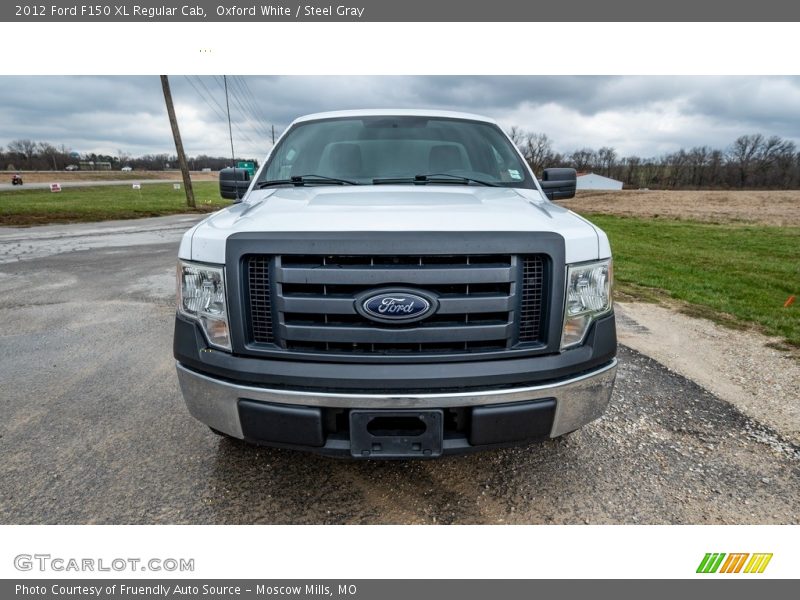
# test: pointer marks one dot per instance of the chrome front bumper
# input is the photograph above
(579, 400)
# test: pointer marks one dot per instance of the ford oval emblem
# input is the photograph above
(396, 305)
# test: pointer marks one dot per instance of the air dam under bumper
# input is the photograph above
(512, 415)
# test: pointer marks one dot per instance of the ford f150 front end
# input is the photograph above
(395, 284)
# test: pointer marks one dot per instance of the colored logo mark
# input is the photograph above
(719, 562)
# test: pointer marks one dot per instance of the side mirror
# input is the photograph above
(233, 183)
(559, 184)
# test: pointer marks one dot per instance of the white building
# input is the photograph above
(592, 181)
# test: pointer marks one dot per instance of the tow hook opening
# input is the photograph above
(396, 426)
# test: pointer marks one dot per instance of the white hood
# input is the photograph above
(391, 208)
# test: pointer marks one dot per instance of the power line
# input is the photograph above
(230, 129)
(221, 115)
(204, 98)
(253, 102)
(220, 83)
(210, 95)
(254, 123)
(263, 129)
(247, 110)
(258, 109)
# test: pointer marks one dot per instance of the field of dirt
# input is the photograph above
(61, 176)
(781, 208)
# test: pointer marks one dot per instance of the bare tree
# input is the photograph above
(583, 159)
(698, 161)
(49, 154)
(607, 158)
(517, 135)
(24, 149)
(742, 155)
(632, 172)
(769, 155)
(536, 149)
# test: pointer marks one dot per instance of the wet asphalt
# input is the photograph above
(94, 429)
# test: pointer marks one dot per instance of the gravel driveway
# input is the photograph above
(95, 430)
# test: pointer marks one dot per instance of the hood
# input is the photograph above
(393, 208)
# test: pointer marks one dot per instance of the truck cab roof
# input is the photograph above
(399, 112)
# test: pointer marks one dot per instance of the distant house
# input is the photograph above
(592, 181)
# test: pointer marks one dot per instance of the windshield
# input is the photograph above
(387, 149)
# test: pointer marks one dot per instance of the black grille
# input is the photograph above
(530, 318)
(260, 299)
(314, 302)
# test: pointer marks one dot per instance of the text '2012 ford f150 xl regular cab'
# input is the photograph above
(395, 284)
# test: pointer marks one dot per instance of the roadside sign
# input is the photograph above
(176, 186)
(55, 187)
(137, 186)
(248, 166)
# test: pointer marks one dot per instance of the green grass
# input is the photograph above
(71, 205)
(734, 274)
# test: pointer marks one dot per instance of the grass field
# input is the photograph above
(775, 207)
(734, 274)
(73, 205)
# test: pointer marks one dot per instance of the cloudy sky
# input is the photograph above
(637, 115)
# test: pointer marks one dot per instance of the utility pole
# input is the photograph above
(273, 135)
(230, 133)
(187, 181)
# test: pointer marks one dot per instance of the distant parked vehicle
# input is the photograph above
(71, 168)
(16, 179)
(126, 169)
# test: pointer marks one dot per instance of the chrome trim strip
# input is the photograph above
(579, 400)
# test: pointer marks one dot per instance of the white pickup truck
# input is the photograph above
(395, 284)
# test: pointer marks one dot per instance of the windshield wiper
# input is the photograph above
(299, 180)
(433, 178)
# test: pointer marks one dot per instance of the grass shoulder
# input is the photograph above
(102, 203)
(737, 275)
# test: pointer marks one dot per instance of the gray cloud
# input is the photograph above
(643, 115)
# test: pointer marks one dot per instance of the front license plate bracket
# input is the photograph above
(396, 433)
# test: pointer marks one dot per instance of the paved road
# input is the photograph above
(25, 243)
(94, 429)
(68, 184)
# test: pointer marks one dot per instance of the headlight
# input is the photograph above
(588, 296)
(201, 297)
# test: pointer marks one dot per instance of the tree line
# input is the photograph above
(751, 161)
(29, 155)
